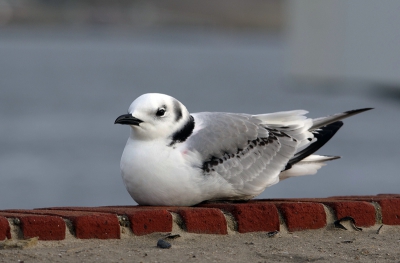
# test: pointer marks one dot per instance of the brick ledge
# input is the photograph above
(111, 222)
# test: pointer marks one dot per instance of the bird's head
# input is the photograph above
(155, 116)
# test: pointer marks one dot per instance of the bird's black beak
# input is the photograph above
(128, 119)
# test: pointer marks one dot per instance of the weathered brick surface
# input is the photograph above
(255, 215)
(99, 226)
(119, 210)
(86, 224)
(302, 216)
(203, 220)
(389, 203)
(143, 219)
(390, 211)
(4, 228)
(390, 195)
(196, 220)
(365, 197)
(251, 217)
(362, 212)
(149, 221)
(42, 226)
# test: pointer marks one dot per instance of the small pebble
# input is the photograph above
(163, 244)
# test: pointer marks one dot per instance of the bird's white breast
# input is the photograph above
(155, 174)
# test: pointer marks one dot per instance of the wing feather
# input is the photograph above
(244, 150)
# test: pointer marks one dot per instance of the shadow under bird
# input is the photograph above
(175, 158)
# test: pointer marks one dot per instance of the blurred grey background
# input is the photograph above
(69, 68)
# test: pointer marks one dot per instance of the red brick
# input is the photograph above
(290, 200)
(86, 224)
(389, 195)
(368, 198)
(204, 220)
(301, 216)
(149, 221)
(251, 217)
(101, 226)
(362, 212)
(44, 227)
(143, 219)
(390, 211)
(4, 228)
(120, 210)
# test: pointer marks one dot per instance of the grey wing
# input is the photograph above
(247, 153)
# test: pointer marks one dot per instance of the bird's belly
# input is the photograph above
(159, 176)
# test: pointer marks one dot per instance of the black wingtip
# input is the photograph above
(323, 135)
(331, 157)
(357, 111)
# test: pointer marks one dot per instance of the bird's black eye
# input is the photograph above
(160, 112)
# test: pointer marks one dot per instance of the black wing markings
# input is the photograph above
(213, 161)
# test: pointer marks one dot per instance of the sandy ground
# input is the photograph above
(333, 245)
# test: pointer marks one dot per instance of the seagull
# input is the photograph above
(174, 158)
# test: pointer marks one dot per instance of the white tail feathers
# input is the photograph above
(307, 166)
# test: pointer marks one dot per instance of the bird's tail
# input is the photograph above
(322, 129)
(308, 166)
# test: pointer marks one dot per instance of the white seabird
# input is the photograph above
(175, 158)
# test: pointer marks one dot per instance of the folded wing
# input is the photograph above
(245, 150)
(252, 152)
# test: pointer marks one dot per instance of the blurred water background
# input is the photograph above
(67, 70)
